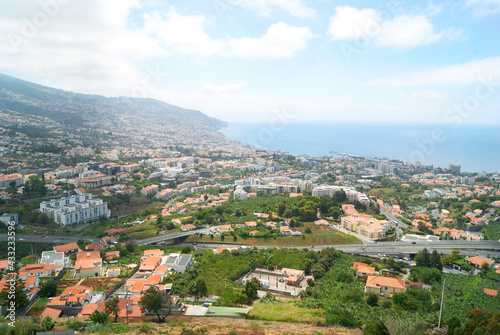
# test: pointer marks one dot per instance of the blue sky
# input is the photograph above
(255, 60)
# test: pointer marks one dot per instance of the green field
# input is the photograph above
(285, 312)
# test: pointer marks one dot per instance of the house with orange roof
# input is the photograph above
(493, 293)
(225, 228)
(250, 224)
(112, 255)
(51, 312)
(254, 232)
(88, 264)
(67, 248)
(77, 295)
(321, 222)
(363, 269)
(187, 227)
(95, 246)
(161, 270)
(478, 261)
(148, 265)
(109, 239)
(39, 269)
(385, 286)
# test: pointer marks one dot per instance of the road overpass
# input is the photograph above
(171, 236)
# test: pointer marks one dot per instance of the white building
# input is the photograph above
(240, 193)
(74, 209)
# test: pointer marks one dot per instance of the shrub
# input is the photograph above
(342, 317)
(376, 328)
(98, 328)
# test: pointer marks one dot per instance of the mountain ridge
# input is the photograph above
(35, 99)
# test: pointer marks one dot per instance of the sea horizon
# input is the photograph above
(472, 146)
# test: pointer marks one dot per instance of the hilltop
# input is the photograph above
(132, 122)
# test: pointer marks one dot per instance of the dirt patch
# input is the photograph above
(224, 326)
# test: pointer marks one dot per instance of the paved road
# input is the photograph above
(47, 238)
(166, 237)
(473, 248)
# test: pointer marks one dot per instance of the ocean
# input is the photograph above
(474, 147)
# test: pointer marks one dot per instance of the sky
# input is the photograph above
(259, 60)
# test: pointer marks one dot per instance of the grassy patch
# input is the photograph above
(143, 230)
(286, 312)
(38, 307)
(137, 203)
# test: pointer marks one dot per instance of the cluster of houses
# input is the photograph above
(81, 300)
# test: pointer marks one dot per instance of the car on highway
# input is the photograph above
(413, 242)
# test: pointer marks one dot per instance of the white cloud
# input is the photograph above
(484, 7)
(466, 73)
(371, 27)
(79, 43)
(423, 95)
(265, 7)
(217, 89)
(280, 41)
(185, 34)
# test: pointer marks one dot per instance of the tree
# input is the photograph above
(48, 324)
(112, 307)
(423, 258)
(48, 289)
(20, 297)
(251, 288)
(485, 267)
(186, 250)
(376, 328)
(238, 212)
(435, 261)
(34, 187)
(281, 209)
(155, 302)
(372, 299)
(308, 230)
(99, 317)
(201, 287)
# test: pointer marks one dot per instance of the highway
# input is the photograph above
(471, 248)
(47, 238)
(480, 248)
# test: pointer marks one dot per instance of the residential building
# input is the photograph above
(67, 248)
(150, 190)
(55, 258)
(7, 218)
(185, 262)
(477, 261)
(454, 168)
(6, 179)
(75, 209)
(88, 264)
(385, 286)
